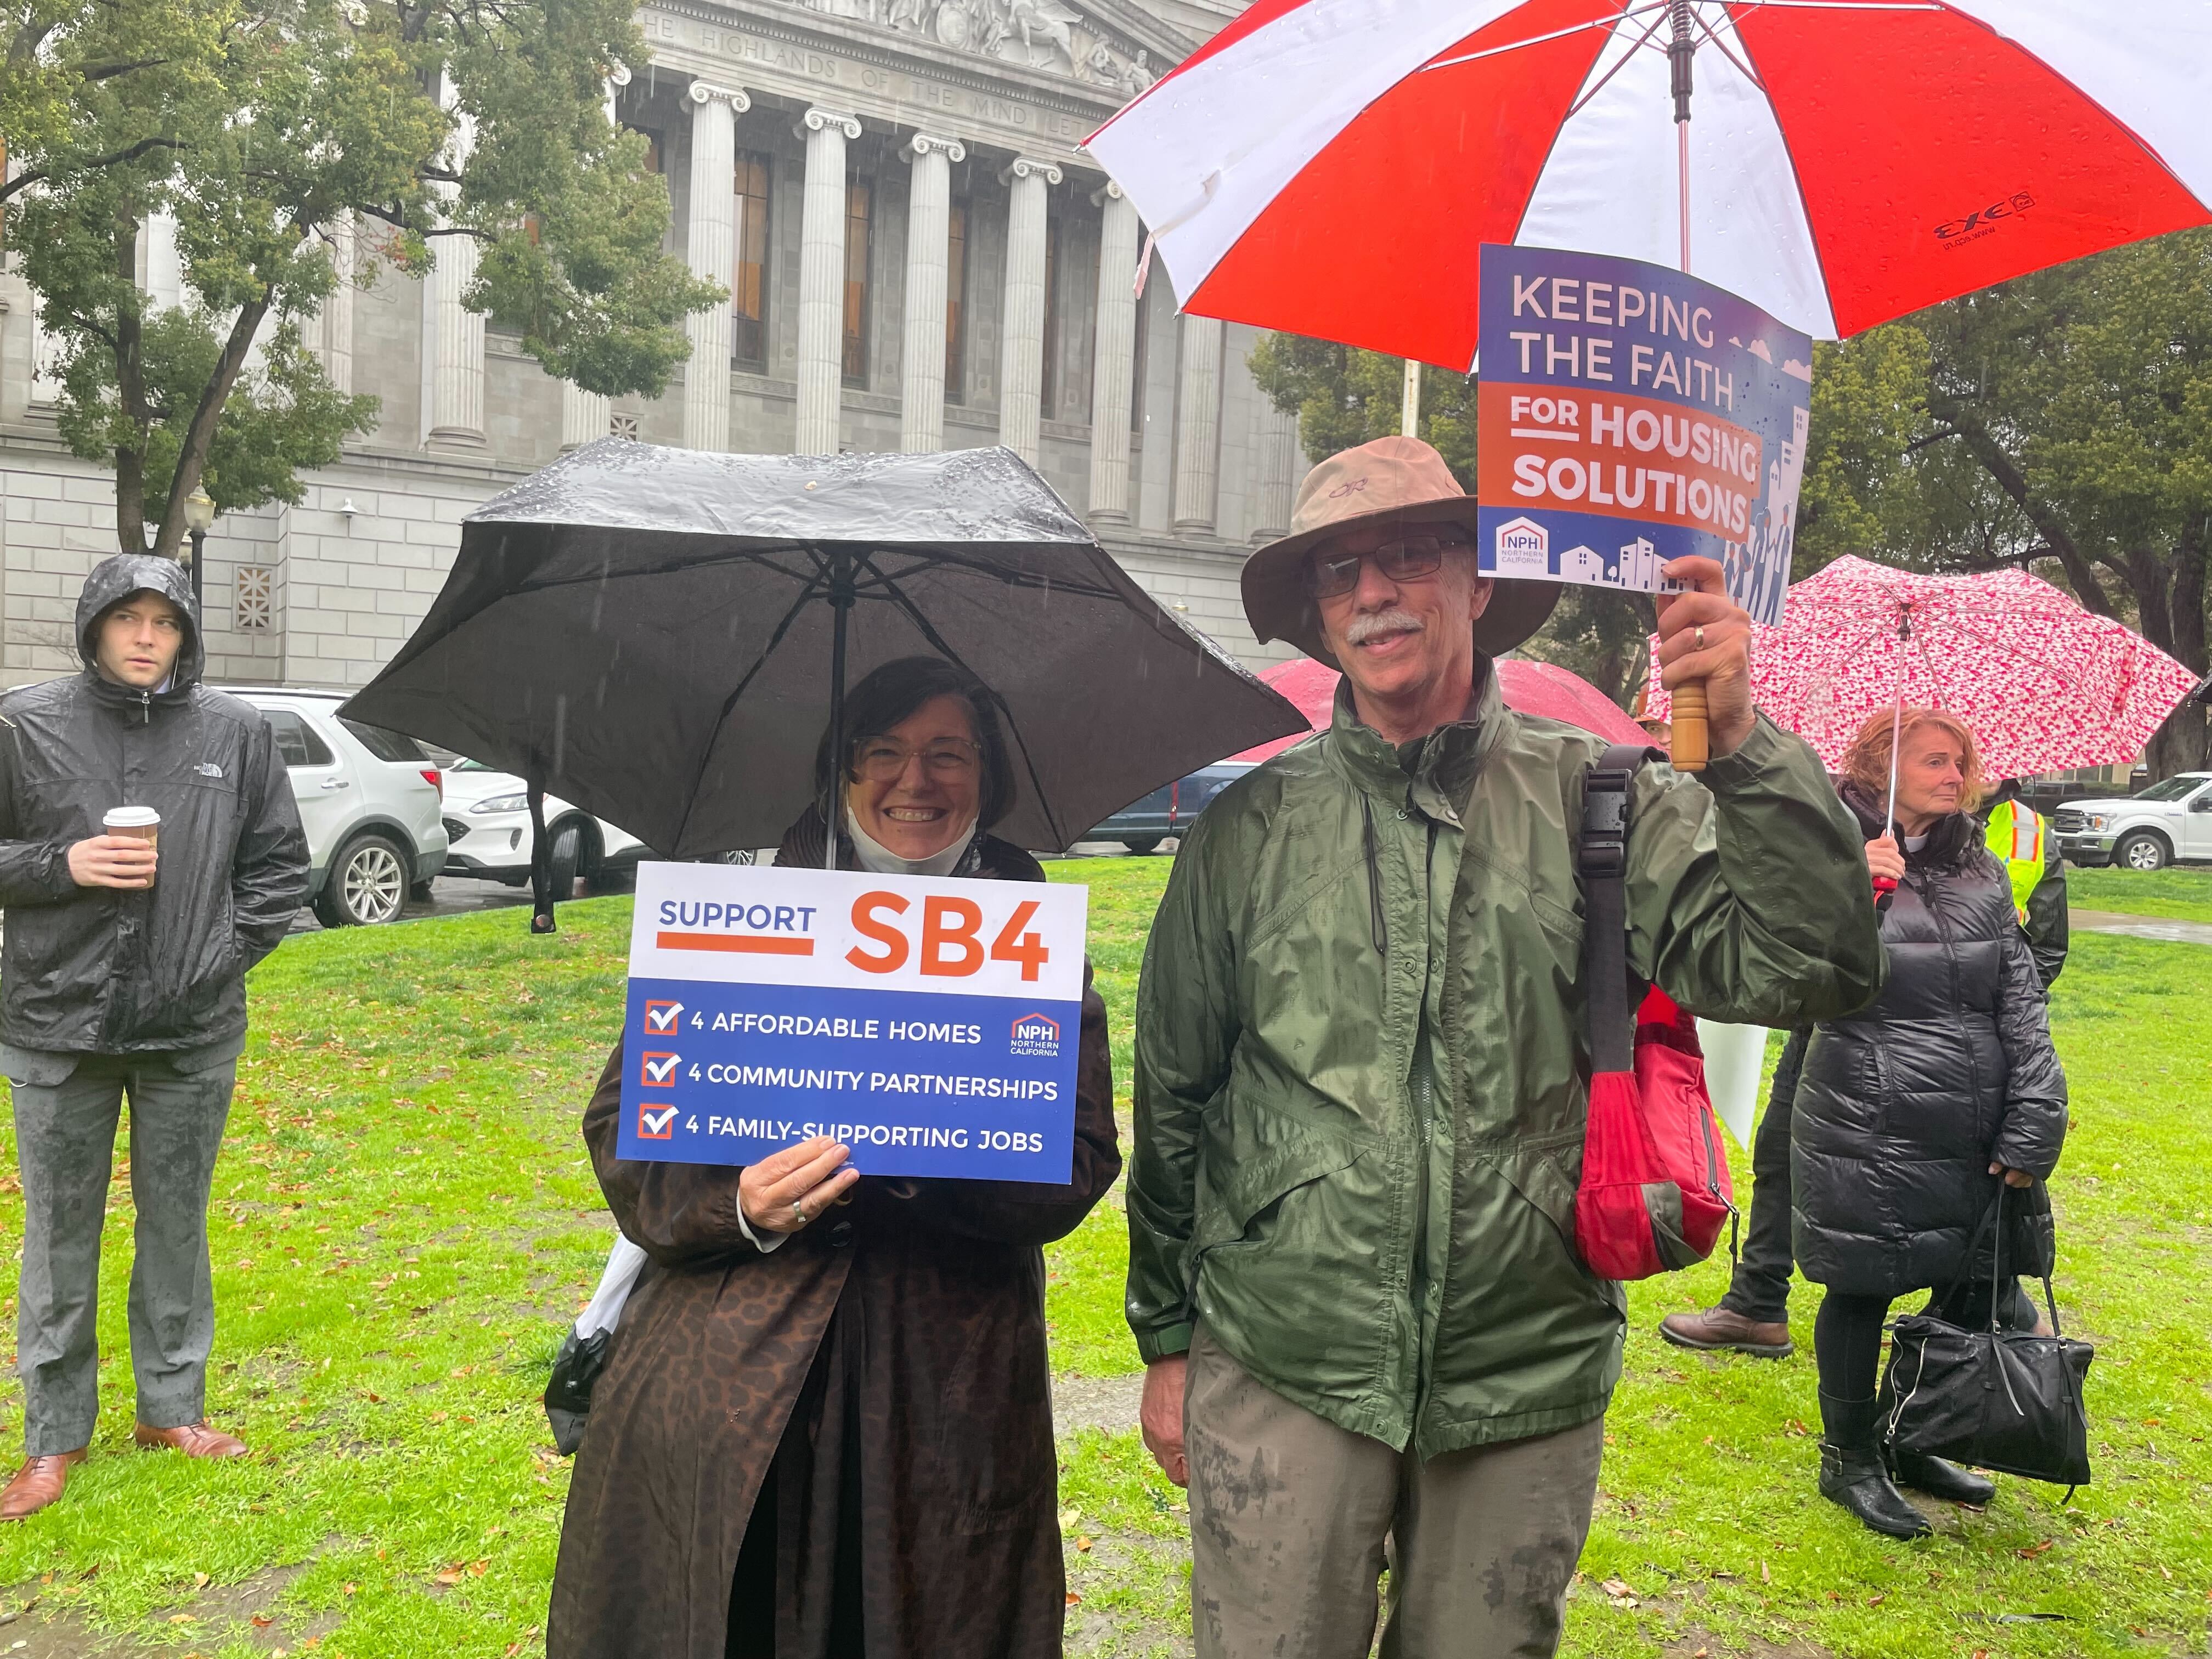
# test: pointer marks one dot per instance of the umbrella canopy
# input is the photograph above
(2044, 684)
(1333, 167)
(652, 633)
(1533, 688)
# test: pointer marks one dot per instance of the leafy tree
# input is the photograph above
(1345, 396)
(2062, 423)
(261, 125)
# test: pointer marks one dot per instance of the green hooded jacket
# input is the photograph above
(1361, 1073)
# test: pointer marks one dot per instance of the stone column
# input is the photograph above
(1021, 350)
(712, 250)
(822, 279)
(1276, 439)
(1113, 360)
(584, 414)
(928, 231)
(454, 399)
(165, 271)
(1198, 425)
(335, 345)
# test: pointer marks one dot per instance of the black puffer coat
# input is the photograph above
(112, 970)
(1901, 1110)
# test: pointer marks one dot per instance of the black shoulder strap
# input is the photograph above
(1602, 861)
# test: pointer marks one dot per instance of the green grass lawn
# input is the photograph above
(403, 1222)
(2179, 895)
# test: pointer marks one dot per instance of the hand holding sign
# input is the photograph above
(1705, 636)
(786, 1190)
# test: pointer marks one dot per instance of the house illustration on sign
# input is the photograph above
(1582, 564)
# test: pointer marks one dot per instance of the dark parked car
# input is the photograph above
(1142, 826)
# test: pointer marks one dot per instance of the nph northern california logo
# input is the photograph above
(1036, 1035)
(1523, 548)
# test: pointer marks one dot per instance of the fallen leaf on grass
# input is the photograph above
(2034, 1550)
(199, 1581)
(1876, 1601)
(1072, 1598)
(1082, 1545)
(447, 1576)
(477, 1569)
(261, 1621)
(180, 1618)
(1765, 1576)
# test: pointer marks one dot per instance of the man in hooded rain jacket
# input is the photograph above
(1361, 1081)
(124, 971)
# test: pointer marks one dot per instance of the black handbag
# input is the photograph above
(2007, 1400)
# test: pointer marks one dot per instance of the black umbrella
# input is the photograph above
(658, 635)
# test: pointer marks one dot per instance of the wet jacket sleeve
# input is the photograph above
(1186, 1030)
(2033, 1127)
(269, 869)
(31, 872)
(1033, 1212)
(1749, 899)
(676, 1213)
(2049, 930)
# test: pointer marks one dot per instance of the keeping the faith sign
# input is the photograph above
(929, 1024)
(1628, 414)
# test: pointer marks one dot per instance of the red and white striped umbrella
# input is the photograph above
(1333, 167)
(2043, 684)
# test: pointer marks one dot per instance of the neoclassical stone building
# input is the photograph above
(919, 257)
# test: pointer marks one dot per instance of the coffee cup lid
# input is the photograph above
(131, 818)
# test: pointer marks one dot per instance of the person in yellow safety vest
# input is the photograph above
(2020, 840)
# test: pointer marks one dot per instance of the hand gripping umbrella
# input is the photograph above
(656, 635)
(1333, 167)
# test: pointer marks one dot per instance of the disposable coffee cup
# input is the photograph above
(142, 823)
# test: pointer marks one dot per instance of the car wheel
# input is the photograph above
(567, 857)
(420, 892)
(1141, 845)
(2144, 852)
(368, 885)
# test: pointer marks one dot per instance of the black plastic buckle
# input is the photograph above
(1604, 825)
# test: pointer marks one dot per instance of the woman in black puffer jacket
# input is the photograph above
(1909, 1113)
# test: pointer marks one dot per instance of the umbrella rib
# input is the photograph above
(1658, 16)
(929, 633)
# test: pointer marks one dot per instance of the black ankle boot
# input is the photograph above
(1851, 1472)
(1939, 1479)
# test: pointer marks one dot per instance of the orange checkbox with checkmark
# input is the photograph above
(658, 1070)
(661, 1018)
(656, 1122)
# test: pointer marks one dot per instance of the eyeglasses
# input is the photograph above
(1331, 574)
(883, 760)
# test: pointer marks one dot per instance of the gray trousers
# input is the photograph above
(1293, 1520)
(65, 1144)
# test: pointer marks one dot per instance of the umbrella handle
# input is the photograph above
(1688, 720)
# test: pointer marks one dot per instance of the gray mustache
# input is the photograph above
(1361, 630)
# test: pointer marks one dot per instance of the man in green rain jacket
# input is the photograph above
(1361, 1082)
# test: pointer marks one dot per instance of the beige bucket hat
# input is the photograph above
(1400, 479)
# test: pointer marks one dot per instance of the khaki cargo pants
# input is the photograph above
(1293, 1520)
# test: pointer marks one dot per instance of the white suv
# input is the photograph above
(368, 797)
(487, 832)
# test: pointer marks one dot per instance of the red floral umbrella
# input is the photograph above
(2044, 684)
(1533, 688)
(1333, 167)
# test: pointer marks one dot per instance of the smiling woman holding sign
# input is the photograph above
(825, 1427)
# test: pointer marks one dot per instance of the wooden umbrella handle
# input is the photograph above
(1688, 723)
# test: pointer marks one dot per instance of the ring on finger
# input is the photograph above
(798, 1211)
(1699, 637)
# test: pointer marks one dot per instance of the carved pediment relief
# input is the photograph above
(1036, 34)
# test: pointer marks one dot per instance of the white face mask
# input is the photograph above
(876, 856)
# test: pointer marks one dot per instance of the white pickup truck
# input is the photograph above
(2170, 823)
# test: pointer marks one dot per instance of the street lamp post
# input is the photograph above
(199, 518)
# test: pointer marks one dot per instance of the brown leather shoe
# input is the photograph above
(37, 1484)
(194, 1440)
(1720, 1328)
